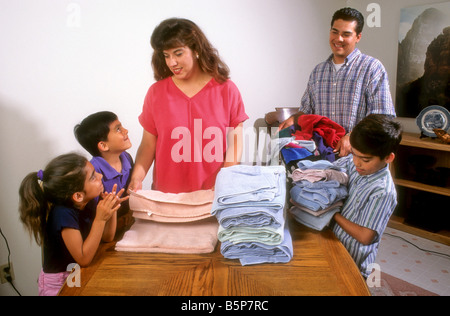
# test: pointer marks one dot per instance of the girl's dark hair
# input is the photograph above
(94, 129)
(175, 32)
(63, 176)
(376, 135)
(349, 14)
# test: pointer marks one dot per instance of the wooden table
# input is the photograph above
(320, 266)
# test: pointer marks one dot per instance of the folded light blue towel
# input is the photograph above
(251, 216)
(318, 195)
(243, 185)
(318, 164)
(256, 253)
(314, 222)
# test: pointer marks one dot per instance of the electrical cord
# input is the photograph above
(9, 263)
(421, 249)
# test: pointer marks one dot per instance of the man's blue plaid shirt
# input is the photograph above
(359, 88)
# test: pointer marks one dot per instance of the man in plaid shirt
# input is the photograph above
(349, 85)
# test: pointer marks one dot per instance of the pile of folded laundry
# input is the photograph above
(318, 191)
(249, 204)
(314, 137)
(171, 223)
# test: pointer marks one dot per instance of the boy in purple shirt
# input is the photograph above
(104, 137)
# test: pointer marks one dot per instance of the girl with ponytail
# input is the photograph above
(54, 207)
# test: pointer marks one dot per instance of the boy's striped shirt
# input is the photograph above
(371, 202)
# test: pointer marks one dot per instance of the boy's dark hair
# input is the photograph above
(376, 135)
(94, 129)
(349, 14)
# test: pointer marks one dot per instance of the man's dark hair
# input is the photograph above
(349, 14)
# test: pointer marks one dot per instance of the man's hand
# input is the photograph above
(343, 147)
(287, 123)
(293, 119)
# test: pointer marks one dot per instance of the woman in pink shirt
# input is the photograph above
(192, 116)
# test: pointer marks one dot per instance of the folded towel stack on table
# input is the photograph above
(249, 205)
(318, 191)
(171, 223)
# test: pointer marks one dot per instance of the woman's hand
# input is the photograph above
(135, 185)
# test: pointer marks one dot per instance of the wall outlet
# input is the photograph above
(4, 273)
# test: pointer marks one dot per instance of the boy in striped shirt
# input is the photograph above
(372, 195)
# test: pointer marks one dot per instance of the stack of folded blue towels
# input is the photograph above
(249, 204)
(318, 192)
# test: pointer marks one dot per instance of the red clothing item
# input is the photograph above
(330, 131)
(191, 133)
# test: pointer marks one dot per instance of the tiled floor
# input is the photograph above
(425, 269)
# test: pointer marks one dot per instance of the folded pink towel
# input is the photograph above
(171, 207)
(191, 238)
(171, 223)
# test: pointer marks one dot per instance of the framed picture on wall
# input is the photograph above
(423, 69)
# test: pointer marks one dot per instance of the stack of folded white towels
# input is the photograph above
(318, 192)
(249, 204)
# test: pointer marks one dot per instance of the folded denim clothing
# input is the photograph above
(243, 185)
(315, 175)
(256, 253)
(171, 207)
(150, 236)
(251, 216)
(318, 195)
(311, 221)
(265, 234)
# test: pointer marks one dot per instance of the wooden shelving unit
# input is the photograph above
(403, 176)
(422, 187)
